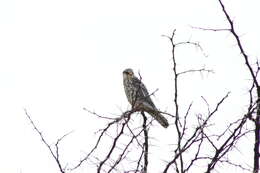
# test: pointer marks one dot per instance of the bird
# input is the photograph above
(139, 98)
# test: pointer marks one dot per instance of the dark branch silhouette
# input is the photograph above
(55, 153)
(122, 145)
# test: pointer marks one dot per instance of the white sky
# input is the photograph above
(58, 56)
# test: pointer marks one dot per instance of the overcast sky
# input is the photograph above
(58, 56)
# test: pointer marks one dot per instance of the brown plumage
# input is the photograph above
(139, 98)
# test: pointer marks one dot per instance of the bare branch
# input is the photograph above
(197, 70)
(55, 155)
(227, 145)
(210, 29)
(232, 30)
(254, 78)
(113, 145)
(145, 143)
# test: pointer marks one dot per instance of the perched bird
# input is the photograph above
(139, 98)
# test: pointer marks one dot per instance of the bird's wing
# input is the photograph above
(141, 91)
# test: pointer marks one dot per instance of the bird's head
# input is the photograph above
(128, 73)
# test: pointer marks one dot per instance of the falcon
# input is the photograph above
(138, 96)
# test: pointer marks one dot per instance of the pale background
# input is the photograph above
(58, 56)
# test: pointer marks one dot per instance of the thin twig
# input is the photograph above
(55, 155)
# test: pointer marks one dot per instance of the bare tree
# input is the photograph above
(127, 142)
(199, 136)
(254, 93)
(253, 72)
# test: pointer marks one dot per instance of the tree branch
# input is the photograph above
(55, 154)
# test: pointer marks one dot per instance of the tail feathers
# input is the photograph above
(159, 118)
(152, 110)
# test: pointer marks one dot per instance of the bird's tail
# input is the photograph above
(159, 118)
